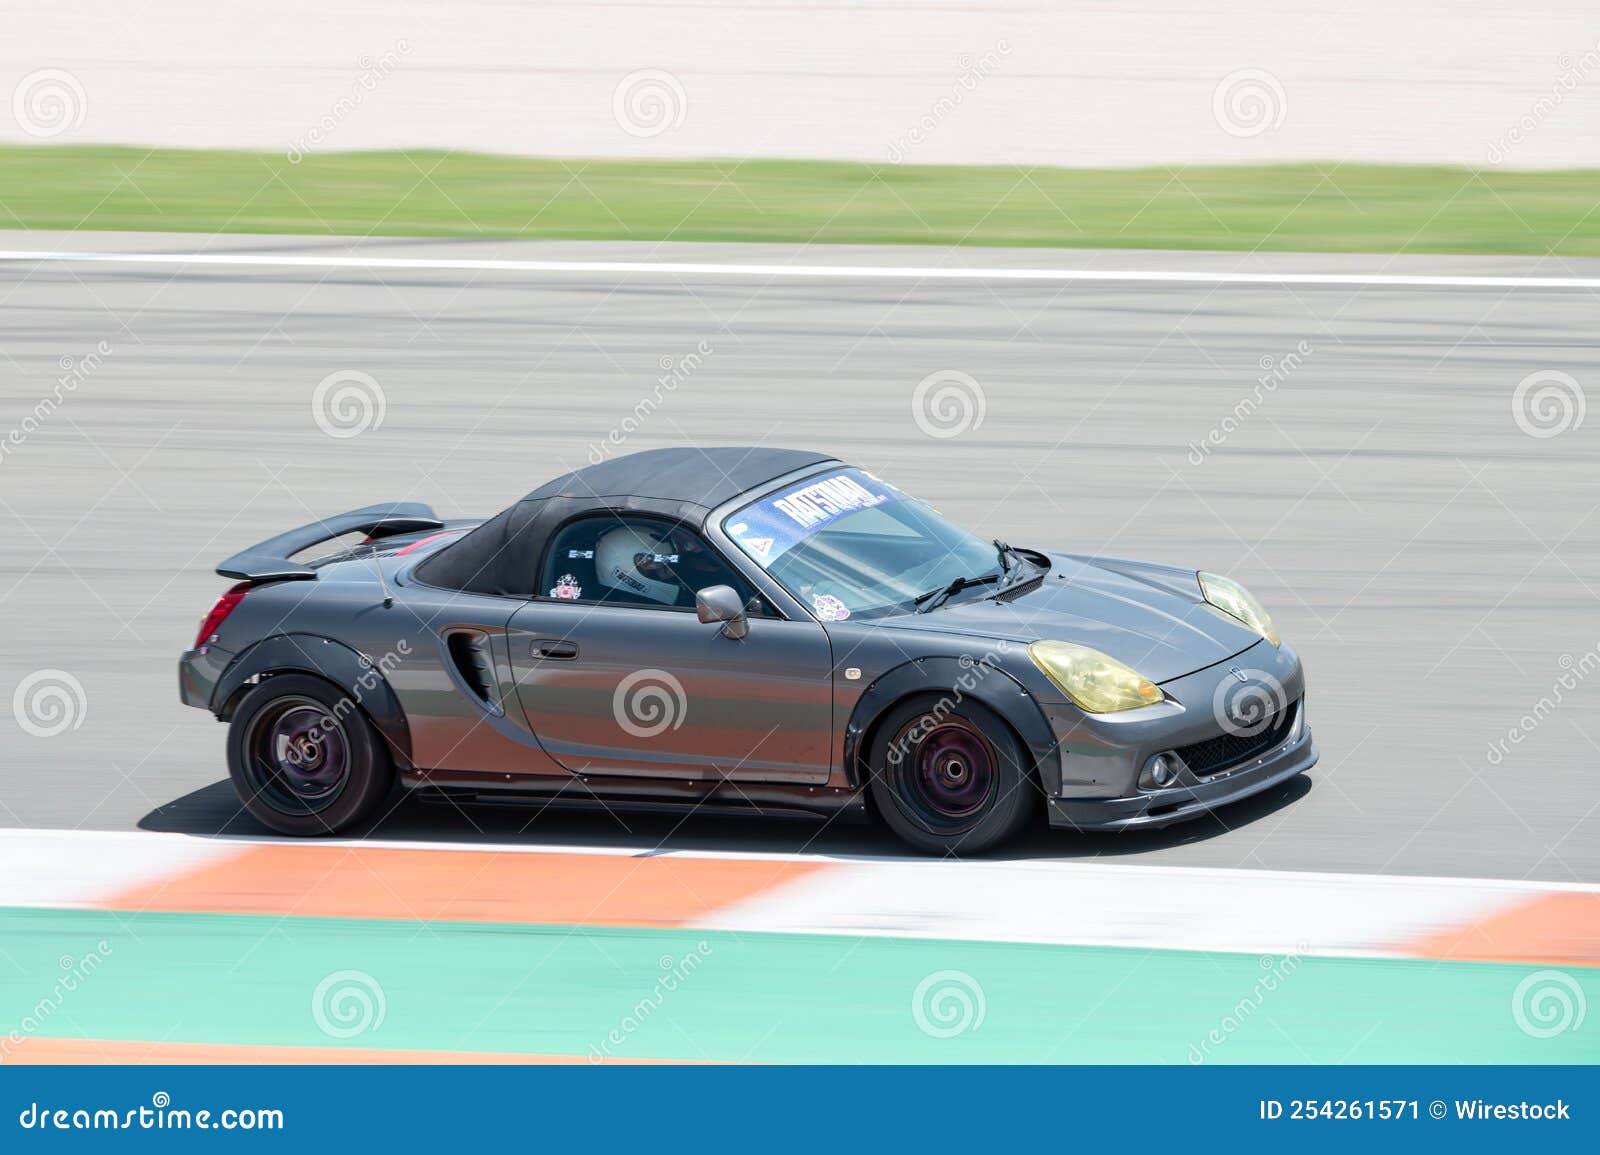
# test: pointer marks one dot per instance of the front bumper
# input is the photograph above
(1101, 756)
(1180, 803)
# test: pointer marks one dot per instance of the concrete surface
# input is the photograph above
(1435, 564)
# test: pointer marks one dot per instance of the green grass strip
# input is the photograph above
(745, 997)
(1324, 208)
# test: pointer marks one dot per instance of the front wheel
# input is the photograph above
(950, 780)
(304, 759)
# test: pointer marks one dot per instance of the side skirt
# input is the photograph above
(762, 799)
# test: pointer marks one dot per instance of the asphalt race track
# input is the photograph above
(1435, 563)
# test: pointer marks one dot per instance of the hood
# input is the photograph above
(1149, 617)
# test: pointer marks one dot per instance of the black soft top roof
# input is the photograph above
(502, 555)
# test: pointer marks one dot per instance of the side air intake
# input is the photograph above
(469, 654)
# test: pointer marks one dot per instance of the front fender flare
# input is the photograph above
(338, 663)
(959, 679)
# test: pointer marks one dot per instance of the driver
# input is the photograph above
(663, 567)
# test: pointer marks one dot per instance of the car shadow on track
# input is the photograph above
(215, 811)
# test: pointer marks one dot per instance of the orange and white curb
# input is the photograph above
(1150, 907)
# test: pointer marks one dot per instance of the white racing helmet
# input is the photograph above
(617, 557)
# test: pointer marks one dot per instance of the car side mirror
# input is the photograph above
(723, 604)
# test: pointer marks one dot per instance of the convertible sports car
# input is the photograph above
(753, 630)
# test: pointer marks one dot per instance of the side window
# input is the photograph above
(636, 561)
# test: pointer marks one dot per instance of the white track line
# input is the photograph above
(95, 842)
(857, 272)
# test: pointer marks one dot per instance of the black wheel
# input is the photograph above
(950, 780)
(303, 757)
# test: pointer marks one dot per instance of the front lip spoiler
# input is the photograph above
(1165, 807)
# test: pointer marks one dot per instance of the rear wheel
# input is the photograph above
(304, 759)
(950, 781)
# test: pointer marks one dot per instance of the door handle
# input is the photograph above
(555, 649)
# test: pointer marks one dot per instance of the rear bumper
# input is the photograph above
(199, 671)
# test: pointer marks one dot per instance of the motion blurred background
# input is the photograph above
(1384, 436)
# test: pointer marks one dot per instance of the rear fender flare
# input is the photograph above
(957, 680)
(334, 661)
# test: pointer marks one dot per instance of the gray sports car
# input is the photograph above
(739, 630)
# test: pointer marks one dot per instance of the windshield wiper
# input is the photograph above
(933, 599)
(1017, 569)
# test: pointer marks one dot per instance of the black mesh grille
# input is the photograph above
(1227, 750)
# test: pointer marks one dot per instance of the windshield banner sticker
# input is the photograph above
(773, 526)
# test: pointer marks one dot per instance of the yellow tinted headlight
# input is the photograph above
(1236, 602)
(1095, 682)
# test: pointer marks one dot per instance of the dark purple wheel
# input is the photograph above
(297, 754)
(945, 769)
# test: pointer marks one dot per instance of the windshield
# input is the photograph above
(848, 545)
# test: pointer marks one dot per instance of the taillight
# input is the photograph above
(219, 612)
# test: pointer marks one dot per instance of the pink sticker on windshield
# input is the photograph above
(830, 608)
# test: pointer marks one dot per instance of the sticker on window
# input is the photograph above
(567, 588)
(829, 608)
(774, 525)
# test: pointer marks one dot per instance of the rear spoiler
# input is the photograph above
(269, 561)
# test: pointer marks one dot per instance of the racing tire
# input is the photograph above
(304, 759)
(950, 781)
